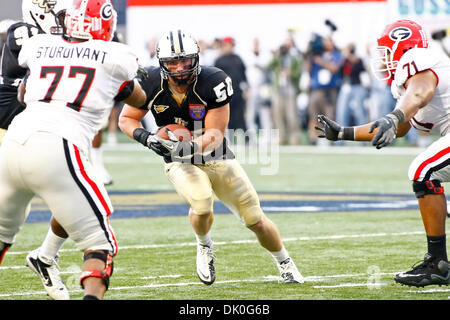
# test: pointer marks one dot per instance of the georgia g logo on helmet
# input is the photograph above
(400, 34)
(106, 12)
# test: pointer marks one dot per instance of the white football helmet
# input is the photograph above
(178, 45)
(45, 14)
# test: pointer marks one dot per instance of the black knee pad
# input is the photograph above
(422, 188)
(104, 274)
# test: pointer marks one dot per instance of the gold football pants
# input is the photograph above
(197, 184)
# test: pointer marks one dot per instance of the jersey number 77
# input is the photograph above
(73, 72)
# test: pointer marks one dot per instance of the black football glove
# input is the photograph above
(387, 128)
(143, 136)
(329, 129)
(172, 148)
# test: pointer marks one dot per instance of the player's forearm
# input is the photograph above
(128, 125)
(420, 90)
(210, 140)
(361, 133)
(412, 101)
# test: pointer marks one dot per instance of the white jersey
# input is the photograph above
(434, 117)
(71, 87)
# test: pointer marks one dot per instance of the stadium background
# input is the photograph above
(347, 214)
(358, 21)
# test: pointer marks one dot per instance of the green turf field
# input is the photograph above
(342, 254)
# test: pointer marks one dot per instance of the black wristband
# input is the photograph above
(348, 133)
(141, 135)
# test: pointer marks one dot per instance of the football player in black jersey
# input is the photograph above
(182, 92)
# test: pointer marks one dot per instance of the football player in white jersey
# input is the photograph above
(180, 91)
(421, 85)
(38, 17)
(72, 85)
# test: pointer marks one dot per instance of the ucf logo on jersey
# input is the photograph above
(181, 122)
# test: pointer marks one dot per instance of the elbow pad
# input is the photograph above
(125, 91)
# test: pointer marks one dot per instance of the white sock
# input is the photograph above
(51, 245)
(280, 256)
(204, 240)
(97, 156)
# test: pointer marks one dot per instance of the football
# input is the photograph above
(181, 132)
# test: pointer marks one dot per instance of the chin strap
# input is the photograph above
(104, 274)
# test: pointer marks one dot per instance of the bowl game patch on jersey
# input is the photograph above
(197, 111)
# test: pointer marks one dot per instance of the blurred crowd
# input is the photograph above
(285, 88)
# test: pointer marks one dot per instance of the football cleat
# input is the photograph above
(49, 274)
(4, 247)
(105, 176)
(289, 272)
(205, 264)
(430, 271)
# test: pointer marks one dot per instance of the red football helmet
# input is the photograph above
(91, 19)
(396, 39)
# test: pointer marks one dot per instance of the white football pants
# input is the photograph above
(57, 171)
(433, 163)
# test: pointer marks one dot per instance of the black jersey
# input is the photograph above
(211, 89)
(11, 72)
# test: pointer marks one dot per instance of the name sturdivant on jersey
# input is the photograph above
(69, 53)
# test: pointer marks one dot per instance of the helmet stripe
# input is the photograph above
(172, 45)
(176, 43)
(82, 12)
(181, 41)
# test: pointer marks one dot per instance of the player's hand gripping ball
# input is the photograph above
(176, 144)
(181, 132)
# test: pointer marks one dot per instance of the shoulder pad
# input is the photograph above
(18, 33)
(152, 85)
(209, 71)
(153, 79)
(414, 61)
(214, 86)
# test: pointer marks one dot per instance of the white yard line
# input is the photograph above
(198, 283)
(267, 278)
(220, 243)
(347, 285)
